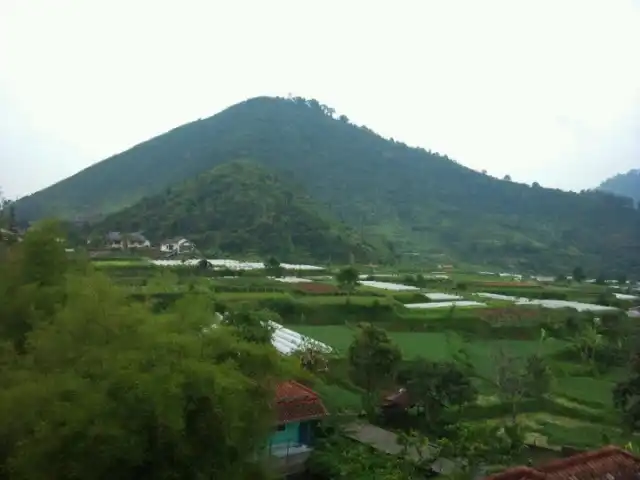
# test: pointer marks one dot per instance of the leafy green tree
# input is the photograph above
(374, 361)
(336, 457)
(436, 387)
(511, 381)
(588, 341)
(105, 389)
(252, 326)
(537, 371)
(32, 282)
(347, 279)
(312, 357)
(626, 397)
(578, 274)
(561, 278)
(538, 376)
(273, 268)
(477, 445)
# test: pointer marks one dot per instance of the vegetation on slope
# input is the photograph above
(421, 201)
(96, 386)
(624, 184)
(240, 208)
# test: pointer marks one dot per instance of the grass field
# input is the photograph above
(134, 262)
(434, 345)
(575, 402)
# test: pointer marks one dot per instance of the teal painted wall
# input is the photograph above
(290, 434)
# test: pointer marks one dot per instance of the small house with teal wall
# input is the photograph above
(298, 410)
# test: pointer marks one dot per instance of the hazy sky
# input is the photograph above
(546, 91)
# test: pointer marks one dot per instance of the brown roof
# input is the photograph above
(608, 463)
(296, 403)
(398, 398)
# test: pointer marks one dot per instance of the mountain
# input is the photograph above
(424, 203)
(624, 184)
(241, 208)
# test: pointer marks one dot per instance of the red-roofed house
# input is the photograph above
(298, 409)
(608, 463)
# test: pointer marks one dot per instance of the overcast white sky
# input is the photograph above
(545, 90)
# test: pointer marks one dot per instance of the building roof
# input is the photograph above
(114, 236)
(171, 241)
(399, 398)
(137, 237)
(296, 403)
(608, 463)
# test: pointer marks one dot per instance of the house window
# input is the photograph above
(281, 428)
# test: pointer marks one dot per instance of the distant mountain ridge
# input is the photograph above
(624, 184)
(409, 199)
(241, 208)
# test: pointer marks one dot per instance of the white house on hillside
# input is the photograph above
(137, 240)
(117, 240)
(177, 245)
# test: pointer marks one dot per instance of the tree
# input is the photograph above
(626, 397)
(587, 343)
(104, 389)
(561, 278)
(437, 386)
(507, 178)
(374, 361)
(252, 326)
(578, 274)
(313, 357)
(477, 445)
(273, 268)
(32, 283)
(337, 457)
(538, 374)
(511, 381)
(347, 279)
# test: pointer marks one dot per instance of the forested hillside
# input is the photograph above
(241, 208)
(624, 184)
(423, 202)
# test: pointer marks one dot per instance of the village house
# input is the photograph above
(608, 463)
(115, 240)
(9, 235)
(137, 240)
(298, 410)
(120, 241)
(176, 245)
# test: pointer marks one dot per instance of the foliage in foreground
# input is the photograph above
(93, 386)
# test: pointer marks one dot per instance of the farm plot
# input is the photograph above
(461, 303)
(548, 303)
(317, 288)
(441, 297)
(434, 345)
(395, 287)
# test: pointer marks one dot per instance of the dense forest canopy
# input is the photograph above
(624, 184)
(94, 385)
(240, 208)
(422, 202)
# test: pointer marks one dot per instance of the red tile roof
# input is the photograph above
(296, 403)
(608, 463)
